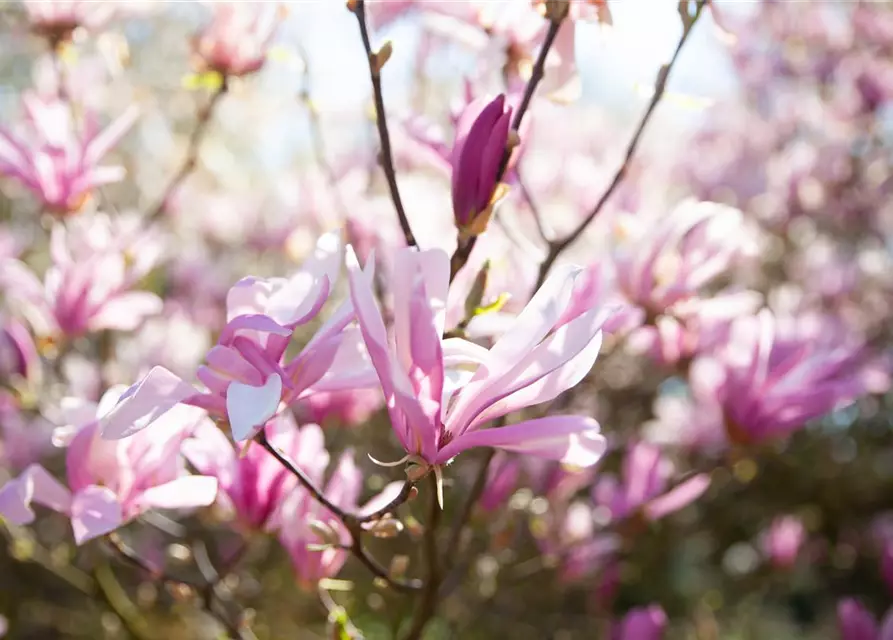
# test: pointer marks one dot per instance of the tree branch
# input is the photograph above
(386, 157)
(558, 246)
(195, 139)
(428, 602)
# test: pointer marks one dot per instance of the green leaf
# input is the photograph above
(211, 80)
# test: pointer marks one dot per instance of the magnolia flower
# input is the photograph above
(236, 41)
(19, 359)
(776, 374)
(502, 479)
(438, 406)
(856, 623)
(109, 483)
(782, 542)
(337, 408)
(95, 264)
(246, 380)
(310, 533)
(642, 487)
(646, 623)
(253, 483)
(54, 161)
(477, 158)
(24, 437)
(57, 19)
(660, 263)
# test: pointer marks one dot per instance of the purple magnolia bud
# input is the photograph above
(18, 353)
(482, 139)
(855, 622)
(646, 623)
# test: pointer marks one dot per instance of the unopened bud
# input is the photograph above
(416, 472)
(413, 494)
(352, 5)
(557, 10)
(387, 527)
(381, 58)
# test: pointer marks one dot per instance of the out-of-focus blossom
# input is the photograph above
(303, 518)
(110, 483)
(781, 543)
(642, 487)
(437, 409)
(502, 479)
(887, 564)
(24, 437)
(347, 408)
(57, 19)
(646, 623)
(663, 262)
(567, 535)
(236, 41)
(96, 262)
(19, 360)
(775, 374)
(253, 483)
(477, 157)
(856, 623)
(55, 161)
(246, 380)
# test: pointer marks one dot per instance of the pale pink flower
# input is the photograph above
(438, 409)
(55, 161)
(96, 262)
(110, 483)
(236, 41)
(57, 19)
(246, 379)
(644, 486)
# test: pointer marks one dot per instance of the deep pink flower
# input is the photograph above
(110, 483)
(856, 623)
(502, 480)
(253, 483)
(96, 262)
(19, 360)
(57, 163)
(438, 406)
(783, 540)
(646, 623)
(643, 486)
(476, 160)
(236, 41)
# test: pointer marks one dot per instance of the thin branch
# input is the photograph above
(351, 522)
(428, 602)
(465, 247)
(203, 119)
(405, 492)
(558, 246)
(386, 157)
(534, 210)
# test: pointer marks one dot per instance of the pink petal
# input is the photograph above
(382, 499)
(95, 511)
(102, 144)
(572, 440)
(35, 484)
(126, 311)
(187, 492)
(351, 368)
(678, 497)
(249, 407)
(433, 267)
(145, 402)
(258, 322)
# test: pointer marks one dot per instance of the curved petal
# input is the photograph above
(95, 511)
(572, 440)
(678, 497)
(187, 492)
(35, 484)
(144, 402)
(249, 407)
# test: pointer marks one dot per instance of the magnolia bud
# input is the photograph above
(380, 58)
(324, 531)
(387, 527)
(477, 161)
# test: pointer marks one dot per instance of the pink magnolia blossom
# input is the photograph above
(642, 487)
(55, 161)
(96, 262)
(646, 623)
(236, 41)
(660, 263)
(19, 360)
(887, 564)
(110, 483)
(502, 480)
(437, 409)
(253, 483)
(246, 379)
(776, 374)
(24, 436)
(57, 19)
(337, 408)
(783, 540)
(856, 623)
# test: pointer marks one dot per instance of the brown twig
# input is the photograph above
(203, 119)
(465, 246)
(428, 602)
(386, 157)
(556, 247)
(477, 488)
(352, 523)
